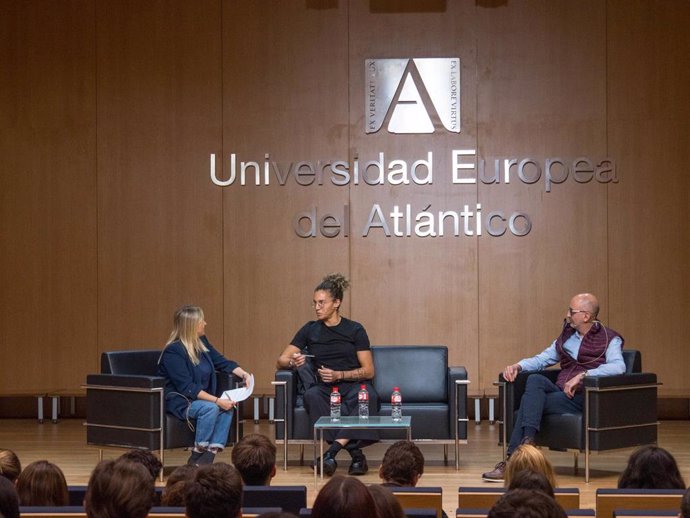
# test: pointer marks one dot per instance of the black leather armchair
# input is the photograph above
(125, 406)
(620, 412)
(437, 404)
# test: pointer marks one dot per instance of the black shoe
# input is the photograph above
(194, 458)
(206, 458)
(329, 464)
(359, 465)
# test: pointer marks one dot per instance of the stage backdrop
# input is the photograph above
(125, 128)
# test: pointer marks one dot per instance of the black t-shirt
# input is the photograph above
(333, 347)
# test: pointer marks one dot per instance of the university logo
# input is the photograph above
(412, 95)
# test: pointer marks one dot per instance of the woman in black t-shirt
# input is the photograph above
(338, 350)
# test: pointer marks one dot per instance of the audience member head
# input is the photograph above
(528, 479)
(651, 467)
(145, 458)
(254, 456)
(387, 506)
(9, 501)
(403, 464)
(685, 505)
(42, 483)
(529, 457)
(344, 497)
(215, 491)
(277, 514)
(10, 467)
(176, 485)
(526, 503)
(119, 488)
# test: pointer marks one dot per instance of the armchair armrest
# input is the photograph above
(95, 381)
(285, 395)
(457, 373)
(621, 380)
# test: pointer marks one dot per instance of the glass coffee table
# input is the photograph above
(355, 423)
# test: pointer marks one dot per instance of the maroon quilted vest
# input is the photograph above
(592, 352)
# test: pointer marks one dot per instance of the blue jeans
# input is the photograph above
(212, 424)
(541, 397)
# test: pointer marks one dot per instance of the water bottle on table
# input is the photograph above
(335, 404)
(363, 402)
(396, 404)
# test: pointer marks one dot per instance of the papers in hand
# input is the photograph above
(242, 393)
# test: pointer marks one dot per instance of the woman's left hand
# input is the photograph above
(226, 404)
(328, 375)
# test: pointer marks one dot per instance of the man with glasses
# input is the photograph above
(584, 348)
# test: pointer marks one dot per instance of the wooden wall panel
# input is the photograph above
(413, 290)
(48, 187)
(649, 245)
(159, 117)
(541, 94)
(109, 219)
(285, 93)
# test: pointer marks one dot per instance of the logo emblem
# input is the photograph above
(412, 95)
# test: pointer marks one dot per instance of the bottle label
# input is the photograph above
(335, 399)
(363, 397)
(396, 398)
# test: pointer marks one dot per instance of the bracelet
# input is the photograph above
(216, 401)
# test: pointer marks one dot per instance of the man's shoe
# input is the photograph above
(206, 458)
(194, 458)
(359, 465)
(329, 464)
(497, 474)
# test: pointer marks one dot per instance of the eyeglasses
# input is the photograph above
(572, 311)
(319, 303)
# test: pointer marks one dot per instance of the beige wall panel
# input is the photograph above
(159, 117)
(414, 290)
(649, 245)
(541, 95)
(285, 93)
(48, 186)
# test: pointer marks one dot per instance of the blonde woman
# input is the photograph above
(189, 363)
(528, 457)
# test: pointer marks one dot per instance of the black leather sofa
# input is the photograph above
(620, 411)
(124, 405)
(427, 384)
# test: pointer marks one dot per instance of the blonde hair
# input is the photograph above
(10, 467)
(186, 325)
(530, 458)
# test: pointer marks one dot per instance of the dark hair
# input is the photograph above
(526, 503)
(276, 514)
(9, 501)
(175, 486)
(119, 488)
(344, 497)
(214, 491)
(387, 506)
(402, 463)
(651, 467)
(42, 483)
(146, 458)
(529, 479)
(685, 504)
(254, 456)
(335, 284)
(10, 467)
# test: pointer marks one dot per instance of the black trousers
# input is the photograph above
(317, 401)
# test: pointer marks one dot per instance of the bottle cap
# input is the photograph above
(362, 386)
(335, 389)
(396, 389)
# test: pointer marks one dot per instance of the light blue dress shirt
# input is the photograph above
(549, 356)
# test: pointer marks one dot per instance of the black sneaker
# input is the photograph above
(194, 458)
(329, 464)
(359, 465)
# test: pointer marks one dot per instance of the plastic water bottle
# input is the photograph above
(396, 404)
(335, 404)
(363, 400)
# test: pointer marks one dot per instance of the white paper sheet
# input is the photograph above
(242, 393)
